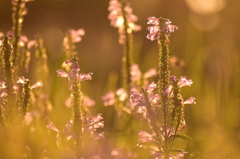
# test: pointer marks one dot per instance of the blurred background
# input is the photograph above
(207, 42)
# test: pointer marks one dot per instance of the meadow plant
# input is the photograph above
(82, 127)
(121, 17)
(27, 111)
(164, 111)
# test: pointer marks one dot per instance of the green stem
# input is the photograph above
(163, 80)
(17, 27)
(25, 97)
(78, 111)
(153, 120)
(8, 73)
(127, 55)
(176, 110)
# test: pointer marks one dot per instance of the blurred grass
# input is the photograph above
(212, 60)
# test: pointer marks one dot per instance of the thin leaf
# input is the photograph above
(178, 150)
(185, 137)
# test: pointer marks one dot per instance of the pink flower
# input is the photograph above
(167, 28)
(155, 99)
(94, 122)
(87, 76)
(122, 94)
(76, 35)
(157, 155)
(191, 100)
(183, 81)
(137, 99)
(145, 136)
(153, 21)
(88, 101)
(2, 85)
(52, 126)
(135, 73)
(21, 80)
(109, 98)
(37, 84)
(151, 87)
(168, 91)
(62, 73)
(154, 30)
(117, 19)
(74, 73)
(150, 73)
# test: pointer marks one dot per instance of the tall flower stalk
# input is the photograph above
(81, 128)
(164, 110)
(7, 66)
(19, 10)
(122, 18)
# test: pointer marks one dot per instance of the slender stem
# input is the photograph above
(78, 112)
(127, 57)
(8, 73)
(163, 80)
(153, 120)
(17, 26)
(25, 97)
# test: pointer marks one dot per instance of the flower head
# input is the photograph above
(74, 73)
(116, 14)
(157, 27)
(154, 29)
(167, 28)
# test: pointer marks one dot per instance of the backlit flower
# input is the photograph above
(74, 73)
(191, 100)
(37, 84)
(155, 28)
(109, 98)
(117, 20)
(183, 81)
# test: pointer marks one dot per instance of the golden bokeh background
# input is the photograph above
(207, 40)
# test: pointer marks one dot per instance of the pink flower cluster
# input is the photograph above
(22, 80)
(156, 29)
(92, 124)
(74, 73)
(116, 14)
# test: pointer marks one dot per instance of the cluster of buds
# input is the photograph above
(121, 16)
